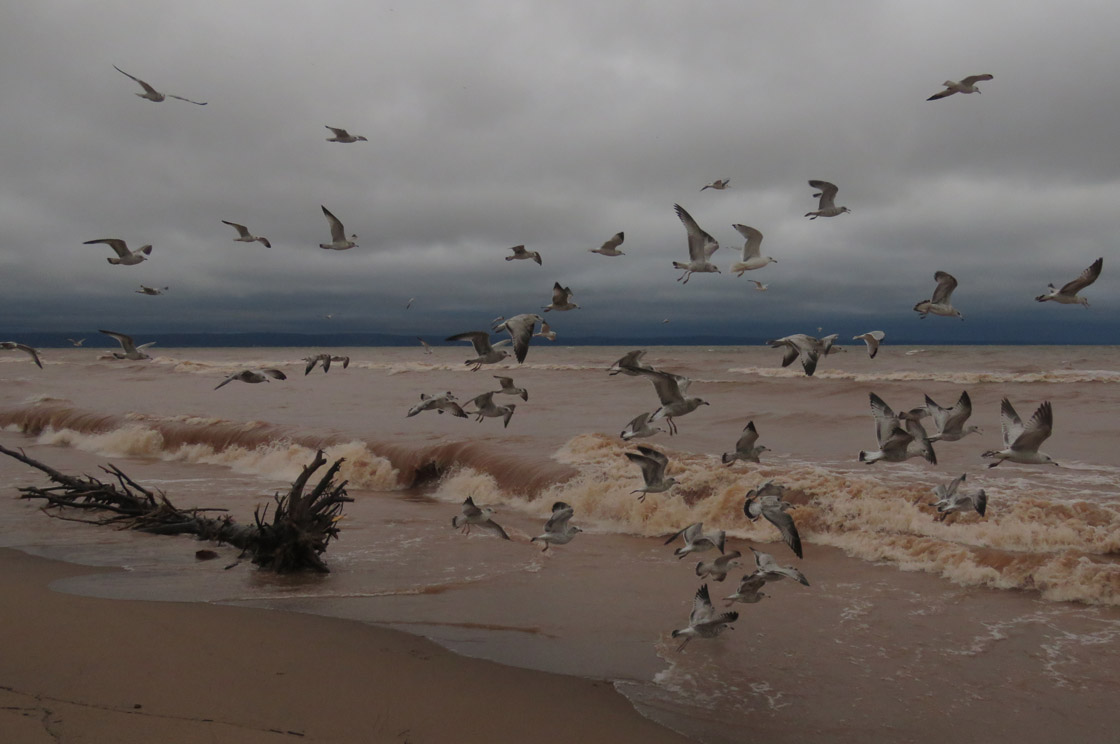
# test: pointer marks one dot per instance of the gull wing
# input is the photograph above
(974, 79)
(957, 415)
(275, 374)
(1087, 277)
(180, 98)
(651, 468)
(1037, 429)
(656, 456)
(338, 132)
(947, 491)
(702, 609)
(480, 340)
(561, 513)
(827, 193)
(520, 329)
(701, 245)
(1010, 422)
(777, 516)
(667, 385)
(946, 283)
(614, 242)
(338, 233)
(118, 245)
(753, 246)
(747, 438)
(147, 88)
(242, 231)
(125, 341)
(918, 432)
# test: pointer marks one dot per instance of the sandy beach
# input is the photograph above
(78, 669)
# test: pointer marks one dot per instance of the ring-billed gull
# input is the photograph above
(630, 364)
(339, 241)
(519, 253)
(129, 349)
(439, 404)
(341, 135)
(545, 332)
(1067, 295)
(899, 437)
(759, 285)
(872, 339)
(509, 388)
(425, 344)
(718, 184)
(610, 248)
(717, 568)
(671, 390)
(76, 341)
(751, 258)
(244, 236)
(767, 501)
(557, 531)
(965, 85)
(486, 353)
(653, 464)
(809, 348)
(252, 375)
(746, 447)
(950, 499)
(16, 346)
(146, 290)
(748, 591)
(703, 622)
(639, 427)
(696, 540)
(520, 330)
(152, 94)
(1021, 443)
(827, 205)
(324, 359)
(561, 299)
(478, 516)
(950, 421)
(701, 246)
(125, 257)
(768, 568)
(940, 303)
(485, 407)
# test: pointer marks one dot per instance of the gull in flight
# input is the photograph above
(561, 299)
(703, 622)
(759, 285)
(509, 388)
(827, 206)
(485, 407)
(949, 500)
(476, 515)
(897, 443)
(437, 403)
(701, 246)
(425, 344)
(653, 464)
(696, 540)
(152, 94)
(751, 258)
(557, 531)
(1021, 443)
(146, 290)
(325, 360)
(767, 501)
(545, 332)
(872, 339)
(950, 421)
(639, 427)
(252, 375)
(15, 346)
(519, 253)
(486, 353)
(1067, 295)
(341, 135)
(745, 447)
(520, 330)
(244, 236)
(809, 348)
(610, 248)
(670, 390)
(718, 185)
(125, 257)
(749, 589)
(770, 570)
(76, 341)
(630, 364)
(966, 85)
(339, 241)
(129, 349)
(940, 303)
(717, 568)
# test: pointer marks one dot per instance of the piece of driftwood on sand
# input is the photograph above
(294, 539)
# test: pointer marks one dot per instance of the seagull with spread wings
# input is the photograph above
(1021, 442)
(964, 85)
(152, 94)
(701, 246)
(1067, 295)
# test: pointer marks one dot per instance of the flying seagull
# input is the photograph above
(341, 135)
(557, 531)
(129, 349)
(703, 622)
(809, 348)
(146, 290)
(717, 568)
(950, 421)
(701, 246)
(718, 185)
(520, 330)
(561, 299)
(768, 568)
(125, 257)
(696, 540)
(1021, 443)
(519, 253)
(827, 206)
(510, 389)
(324, 359)
(670, 391)
(940, 303)
(486, 353)
(476, 515)
(872, 339)
(339, 241)
(899, 437)
(949, 500)
(76, 341)
(639, 427)
(15, 346)
(610, 248)
(152, 94)
(254, 376)
(746, 447)
(485, 407)
(767, 501)
(965, 85)
(653, 464)
(751, 258)
(1067, 295)
(437, 403)
(244, 236)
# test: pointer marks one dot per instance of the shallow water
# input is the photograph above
(906, 618)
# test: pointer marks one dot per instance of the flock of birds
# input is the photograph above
(899, 436)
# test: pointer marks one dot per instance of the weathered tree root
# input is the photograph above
(293, 540)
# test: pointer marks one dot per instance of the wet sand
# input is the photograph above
(84, 669)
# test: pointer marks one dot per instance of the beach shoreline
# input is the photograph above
(78, 668)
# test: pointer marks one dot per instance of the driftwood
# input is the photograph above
(294, 539)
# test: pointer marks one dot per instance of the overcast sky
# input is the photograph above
(556, 125)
